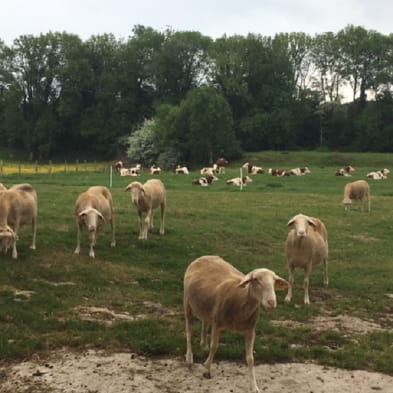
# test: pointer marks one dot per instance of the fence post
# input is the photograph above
(77, 166)
(65, 166)
(36, 166)
(20, 169)
(2, 167)
(50, 167)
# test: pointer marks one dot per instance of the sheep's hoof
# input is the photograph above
(32, 247)
(91, 254)
(287, 299)
(77, 251)
(207, 374)
(113, 244)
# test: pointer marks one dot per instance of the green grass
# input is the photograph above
(247, 228)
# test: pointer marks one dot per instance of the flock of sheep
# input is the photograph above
(214, 291)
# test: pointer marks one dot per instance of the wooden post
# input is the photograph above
(65, 166)
(2, 167)
(50, 167)
(20, 169)
(77, 166)
(36, 167)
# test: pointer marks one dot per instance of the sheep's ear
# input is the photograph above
(291, 221)
(311, 222)
(127, 188)
(280, 284)
(246, 280)
(82, 213)
(100, 216)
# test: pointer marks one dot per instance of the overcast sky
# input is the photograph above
(212, 18)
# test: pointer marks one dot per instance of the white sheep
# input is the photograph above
(357, 191)
(223, 297)
(18, 206)
(92, 209)
(210, 171)
(307, 245)
(147, 197)
(136, 170)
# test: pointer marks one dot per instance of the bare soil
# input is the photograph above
(99, 372)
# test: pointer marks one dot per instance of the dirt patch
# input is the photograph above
(19, 294)
(108, 317)
(98, 372)
(345, 324)
(365, 238)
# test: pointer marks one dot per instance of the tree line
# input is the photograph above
(183, 96)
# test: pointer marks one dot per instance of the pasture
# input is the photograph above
(130, 297)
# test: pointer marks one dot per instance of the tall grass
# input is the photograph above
(247, 228)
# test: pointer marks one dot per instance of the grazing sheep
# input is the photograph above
(240, 181)
(147, 197)
(181, 170)
(357, 191)
(307, 245)
(18, 206)
(223, 297)
(92, 209)
(222, 163)
(155, 170)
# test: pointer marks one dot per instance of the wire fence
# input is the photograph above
(9, 168)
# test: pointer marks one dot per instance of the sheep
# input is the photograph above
(147, 197)
(306, 245)
(238, 181)
(2, 187)
(155, 170)
(18, 206)
(181, 170)
(222, 163)
(93, 208)
(357, 191)
(223, 297)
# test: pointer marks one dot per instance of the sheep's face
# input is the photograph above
(91, 218)
(301, 223)
(7, 239)
(347, 202)
(262, 284)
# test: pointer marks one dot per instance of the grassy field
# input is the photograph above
(44, 293)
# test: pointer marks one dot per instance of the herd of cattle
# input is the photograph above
(214, 291)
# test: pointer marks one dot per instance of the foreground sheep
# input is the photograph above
(357, 191)
(307, 245)
(93, 208)
(223, 297)
(18, 206)
(146, 198)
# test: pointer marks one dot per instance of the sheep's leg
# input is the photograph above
(147, 224)
(113, 241)
(78, 239)
(204, 329)
(92, 243)
(188, 318)
(307, 271)
(140, 222)
(291, 281)
(325, 272)
(162, 222)
(34, 231)
(14, 251)
(215, 336)
(250, 338)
